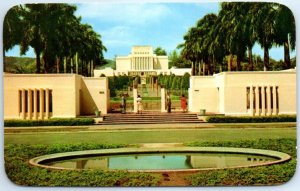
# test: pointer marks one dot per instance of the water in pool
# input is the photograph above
(162, 161)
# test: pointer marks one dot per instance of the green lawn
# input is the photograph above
(153, 136)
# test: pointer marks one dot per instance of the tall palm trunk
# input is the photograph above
(193, 68)
(287, 59)
(266, 58)
(238, 63)
(38, 62)
(250, 58)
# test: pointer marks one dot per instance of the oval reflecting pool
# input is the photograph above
(162, 161)
(154, 159)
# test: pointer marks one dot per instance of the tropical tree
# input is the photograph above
(12, 28)
(55, 34)
(265, 14)
(285, 31)
(159, 51)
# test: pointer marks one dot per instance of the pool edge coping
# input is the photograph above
(282, 157)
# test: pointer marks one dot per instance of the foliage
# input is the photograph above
(251, 119)
(119, 83)
(19, 65)
(159, 51)
(266, 175)
(49, 122)
(20, 172)
(55, 34)
(233, 32)
(172, 82)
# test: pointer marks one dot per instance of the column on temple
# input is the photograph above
(47, 103)
(257, 112)
(275, 112)
(29, 98)
(263, 98)
(251, 100)
(269, 112)
(41, 103)
(35, 104)
(23, 114)
(143, 65)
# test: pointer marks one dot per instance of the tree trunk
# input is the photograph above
(38, 62)
(57, 65)
(193, 68)
(250, 58)
(287, 59)
(266, 58)
(238, 63)
(230, 62)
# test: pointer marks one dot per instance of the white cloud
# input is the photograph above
(131, 14)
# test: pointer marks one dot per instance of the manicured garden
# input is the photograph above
(20, 172)
(20, 147)
(266, 175)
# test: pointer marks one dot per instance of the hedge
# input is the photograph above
(49, 122)
(250, 119)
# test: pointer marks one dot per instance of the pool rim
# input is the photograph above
(282, 157)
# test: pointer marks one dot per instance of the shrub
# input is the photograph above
(250, 119)
(49, 122)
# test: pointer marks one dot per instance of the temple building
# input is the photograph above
(245, 93)
(142, 62)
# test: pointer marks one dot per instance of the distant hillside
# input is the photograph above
(19, 65)
(110, 63)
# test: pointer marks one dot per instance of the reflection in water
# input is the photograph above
(162, 161)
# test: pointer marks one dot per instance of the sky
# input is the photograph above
(123, 25)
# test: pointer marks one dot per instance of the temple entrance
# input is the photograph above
(144, 85)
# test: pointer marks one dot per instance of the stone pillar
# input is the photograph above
(251, 101)
(269, 112)
(23, 114)
(257, 111)
(163, 99)
(47, 103)
(151, 63)
(275, 112)
(41, 104)
(29, 98)
(135, 94)
(263, 98)
(35, 104)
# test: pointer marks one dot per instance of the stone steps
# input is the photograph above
(150, 118)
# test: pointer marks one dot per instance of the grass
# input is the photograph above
(20, 172)
(266, 175)
(151, 136)
(20, 147)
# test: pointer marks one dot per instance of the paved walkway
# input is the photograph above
(146, 127)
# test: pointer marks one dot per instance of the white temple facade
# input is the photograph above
(142, 62)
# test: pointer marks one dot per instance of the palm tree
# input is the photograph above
(265, 14)
(12, 28)
(285, 31)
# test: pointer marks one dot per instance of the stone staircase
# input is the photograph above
(150, 118)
